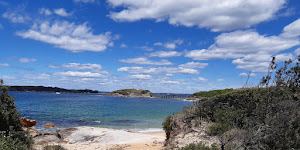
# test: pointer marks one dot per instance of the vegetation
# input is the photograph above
(12, 136)
(265, 117)
(128, 91)
(203, 94)
(47, 89)
(54, 147)
(199, 146)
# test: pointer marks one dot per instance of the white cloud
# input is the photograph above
(80, 74)
(69, 36)
(217, 15)
(123, 45)
(158, 70)
(165, 54)
(194, 65)
(251, 50)
(62, 12)
(169, 82)
(141, 76)
(297, 51)
(169, 45)
(146, 48)
(78, 66)
(16, 17)
(1, 26)
(201, 79)
(220, 80)
(292, 30)
(145, 61)
(45, 11)
(284, 57)
(84, 1)
(27, 60)
(4, 65)
(245, 74)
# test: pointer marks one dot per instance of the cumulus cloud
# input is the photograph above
(16, 17)
(165, 54)
(79, 74)
(62, 12)
(146, 48)
(78, 66)
(194, 65)
(284, 57)
(123, 45)
(201, 79)
(27, 60)
(1, 26)
(141, 76)
(217, 15)
(45, 11)
(292, 30)
(220, 80)
(245, 74)
(69, 36)
(4, 65)
(145, 61)
(170, 82)
(169, 45)
(84, 1)
(158, 70)
(250, 50)
(297, 51)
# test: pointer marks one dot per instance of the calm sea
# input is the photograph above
(69, 110)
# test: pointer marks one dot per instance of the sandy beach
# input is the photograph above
(91, 138)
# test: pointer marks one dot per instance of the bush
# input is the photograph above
(199, 146)
(167, 126)
(10, 126)
(218, 128)
(54, 147)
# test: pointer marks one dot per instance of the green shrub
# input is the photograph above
(10, 126)
(167, 126)
(218, 128)
(199, 146)
(8, 143)
(54, 147)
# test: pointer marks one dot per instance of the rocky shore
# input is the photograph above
(90, 138)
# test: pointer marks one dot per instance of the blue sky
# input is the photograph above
(181, 46)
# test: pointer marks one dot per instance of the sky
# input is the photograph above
(171, 46)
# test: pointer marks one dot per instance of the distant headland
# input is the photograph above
(131, 93)
(49, 89)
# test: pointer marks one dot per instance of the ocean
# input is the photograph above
(68, 110)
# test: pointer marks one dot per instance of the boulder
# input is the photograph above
(49, 125)
(32, 132)
(27, 123)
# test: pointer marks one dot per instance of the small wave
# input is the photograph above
(149, 130)
(97, 121)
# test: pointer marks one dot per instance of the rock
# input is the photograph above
(27, 123)
(32, 132)
(49, 125)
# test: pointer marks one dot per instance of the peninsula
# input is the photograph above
(48, 89)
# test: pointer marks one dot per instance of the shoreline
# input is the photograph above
(84, 137)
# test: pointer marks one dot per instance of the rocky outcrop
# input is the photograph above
(49, 125)
(131, 93)
(27, 123)
(186, 131)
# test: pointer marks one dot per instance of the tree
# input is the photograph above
(12, 134)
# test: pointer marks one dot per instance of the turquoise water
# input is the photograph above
(68, 110)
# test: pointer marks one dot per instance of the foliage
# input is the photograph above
(8, 143)
(267, 116)
(199, 146)
(54, 147)
(132, 91)
(218, 128)
(167, 126)
(10, 127)
(211, 93)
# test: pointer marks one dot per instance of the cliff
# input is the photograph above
(131, 93)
